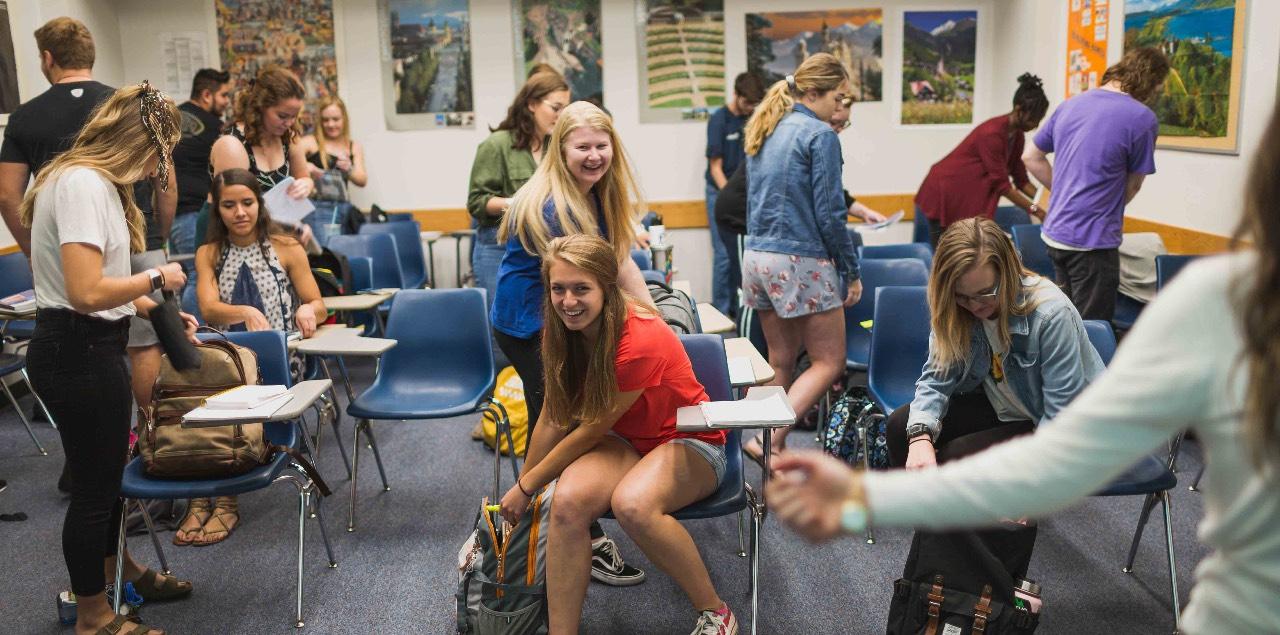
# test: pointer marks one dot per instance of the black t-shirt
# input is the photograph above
(200, 129)
(731, 203)
(46, 126)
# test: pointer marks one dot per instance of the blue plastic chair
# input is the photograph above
(1168, 266)
(397, 217)
(642, 258)
(855, 236)
(920, 227)
(15, 277)
(651, 275)
(921, 251)
(273, 367)
(381, 251)
(1152, 477)
(441, 367)
(1127, 311)
(9, 364)
(1007, 216)
(1035, 254)
(408, 237)
(894, 272)
(899, 345)
(735, 495)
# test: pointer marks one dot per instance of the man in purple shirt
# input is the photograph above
(1104, 141)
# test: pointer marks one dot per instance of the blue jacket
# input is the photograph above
(795, 203)
(1050, 361)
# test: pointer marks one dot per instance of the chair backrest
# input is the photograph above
(1009, 215)
(272, 350)
(15, 274)
(919, 227)
(381, 251)
(921, 251)
(439, 333)
(711, 367)
(892, 272)
(899, 344)
(856, 237)
(1031, 247)
(396, 217)
(1103, 338)
(642, 258)
(1167, 266)
(408, 237)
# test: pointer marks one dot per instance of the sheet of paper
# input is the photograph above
(740, 371)
(893, 218)
(260, 413)
(283, 209)
(748, 411)
(244, 397)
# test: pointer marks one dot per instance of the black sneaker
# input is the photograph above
(607, 565)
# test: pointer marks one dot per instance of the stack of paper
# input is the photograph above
(748, 413)
(19, 302)
(244, 397)
(893, 218)
(261, 412)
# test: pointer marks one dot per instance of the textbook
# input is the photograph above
(261, 412)
(763, 407)
(244, 397)
(19, 302)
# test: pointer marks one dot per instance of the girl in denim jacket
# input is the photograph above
(1007, 351)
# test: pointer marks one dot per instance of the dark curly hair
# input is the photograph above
(1030, 99)
(273, 85)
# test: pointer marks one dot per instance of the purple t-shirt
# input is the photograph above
(1098, 138)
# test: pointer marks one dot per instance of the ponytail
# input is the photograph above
(821, 72)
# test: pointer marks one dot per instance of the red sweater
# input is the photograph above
(969, 181)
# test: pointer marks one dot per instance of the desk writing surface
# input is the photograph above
(683, 285)
(430, 236)
(328, 331)
(346, 346)
(303, 395)
(20, 315)
(713, 321)
(357, 302)
(742, 347)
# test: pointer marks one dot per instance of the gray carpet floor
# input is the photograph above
(397, 572)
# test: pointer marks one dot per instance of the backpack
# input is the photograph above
(509, 392)
(338, 271)
(962, 583)
(502, 572)
(676, 307)
(855, 431)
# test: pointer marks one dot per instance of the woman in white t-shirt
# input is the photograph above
(1007, 351)
(84, 224)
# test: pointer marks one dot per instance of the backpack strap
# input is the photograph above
(982, 610)
(306, 466)
(935, 606)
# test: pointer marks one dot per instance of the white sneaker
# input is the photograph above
(717, 622)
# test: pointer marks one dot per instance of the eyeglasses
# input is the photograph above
(840, 127)
(845, 101)
(981, 298)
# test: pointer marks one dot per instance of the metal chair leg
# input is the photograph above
(119, 594)
(742, 545)
(377, 456)
(1195, 485)
(302, 535)
(324, 533)
(1147, 504)
(155, 540)
(23, 416)
(866, 465)
(755, 570)
(40, 401)
(355, 472)
(1173, 566)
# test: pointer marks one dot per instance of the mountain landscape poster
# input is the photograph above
(681, 58)
(938, 51)
(427, 63)
(564, 34)
(778, 42)
(1204, 41)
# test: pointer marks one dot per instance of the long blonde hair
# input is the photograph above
(574, 211)
(821, 72)
(344, 138)
(116, 144)
(582, 381)
(965, 246)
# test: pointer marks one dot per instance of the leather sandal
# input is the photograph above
(200, 510)
(216, 529)
(151, 590)
(124, 625)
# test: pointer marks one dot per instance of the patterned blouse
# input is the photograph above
(253, 276)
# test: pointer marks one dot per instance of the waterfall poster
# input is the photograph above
(1199, 107)
(426, 64)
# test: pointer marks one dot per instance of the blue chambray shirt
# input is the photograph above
(795, 202)
(1050, 361)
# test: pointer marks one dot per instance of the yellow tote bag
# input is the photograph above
(510, 393)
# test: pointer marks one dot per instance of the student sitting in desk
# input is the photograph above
(615, 376)
(249, 276)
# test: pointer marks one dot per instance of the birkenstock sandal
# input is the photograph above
(170, 589)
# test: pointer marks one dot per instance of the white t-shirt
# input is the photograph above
(78, 206)
(1007, 405)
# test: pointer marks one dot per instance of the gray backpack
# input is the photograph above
(502, 586)
(677, 308)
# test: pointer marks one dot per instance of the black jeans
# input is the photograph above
(729, 239)
(970, 425)
(526, 356)
(935, 230)
(1090, 278)
(77, 364)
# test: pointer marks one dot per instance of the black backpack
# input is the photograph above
(676, 307)
(332, 272)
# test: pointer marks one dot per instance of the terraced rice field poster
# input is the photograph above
(1199, 107)
(296, 34)
(938, 51)
(426, 63)
(564, 34)
(778, 42)
(681, 58)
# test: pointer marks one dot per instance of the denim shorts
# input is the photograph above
(714, 454)
(790, 285)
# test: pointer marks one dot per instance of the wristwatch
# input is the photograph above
(916, 429)
(157, 279)
(853, 517)
(1034, 209)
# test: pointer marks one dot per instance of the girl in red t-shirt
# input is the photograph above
(615, 376)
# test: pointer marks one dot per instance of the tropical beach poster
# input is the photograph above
(1204, 41)
(681, 58)
(778, 42)
(427, 63)
(938, 51)
(564, 34)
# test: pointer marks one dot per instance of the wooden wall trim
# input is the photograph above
(4, 251)
(693, 215)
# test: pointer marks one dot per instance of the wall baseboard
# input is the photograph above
(11, 249)
(693, 215)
